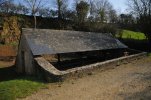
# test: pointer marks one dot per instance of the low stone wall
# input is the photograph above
(52, 74)
(7, 53)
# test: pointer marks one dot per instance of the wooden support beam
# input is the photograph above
(59, 60)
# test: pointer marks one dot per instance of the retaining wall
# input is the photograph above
(52, 74)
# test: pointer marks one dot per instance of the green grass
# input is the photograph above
(13, 86)
(18, 88)
(149, 54)
(126, 34)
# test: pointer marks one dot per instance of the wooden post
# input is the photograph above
(58, 58)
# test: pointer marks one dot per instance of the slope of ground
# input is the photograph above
(14, 86)
(125, 82)
(127, 34)
(5, 64)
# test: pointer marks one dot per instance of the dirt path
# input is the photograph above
(4, 64)
(125, 82)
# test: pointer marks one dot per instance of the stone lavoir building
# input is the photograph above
(60, 52)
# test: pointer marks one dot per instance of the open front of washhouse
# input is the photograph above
(61, 54)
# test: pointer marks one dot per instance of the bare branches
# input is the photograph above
(61, 6)
(140, 7)
(82, 9)
(1, 2)
(142, 10)
(35, 5)
(100, 9)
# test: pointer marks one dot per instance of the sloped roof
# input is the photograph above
(43, 41)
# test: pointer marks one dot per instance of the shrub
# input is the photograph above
(96, 27)
(11, 30)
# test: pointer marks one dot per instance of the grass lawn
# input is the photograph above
(134, 40)
(126, 34)
(18, 88)
(149, 54)
(13, 86)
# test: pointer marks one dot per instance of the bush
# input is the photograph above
(96, 27)
(11, 30)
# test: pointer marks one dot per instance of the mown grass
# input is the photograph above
(18, 88)
(13, 86)
(126, 34)
(134, 40)
(149, 54)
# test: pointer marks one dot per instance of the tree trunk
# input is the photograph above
(35, 21)
(149, 39)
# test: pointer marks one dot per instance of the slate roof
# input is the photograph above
(43, 41)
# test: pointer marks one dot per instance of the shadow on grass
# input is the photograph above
(9, 73)
(142, 45)
(13, 86)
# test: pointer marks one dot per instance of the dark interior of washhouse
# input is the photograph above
(67, 61)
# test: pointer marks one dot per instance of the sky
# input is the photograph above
(119, 5)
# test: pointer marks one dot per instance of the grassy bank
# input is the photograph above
(13, 86)
(149, 54)
(126, 34)
(134, 40)
(18, 88)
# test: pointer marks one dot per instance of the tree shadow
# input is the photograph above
(9, 73)
(145, 94)
(143, 45)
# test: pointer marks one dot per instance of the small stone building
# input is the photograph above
(38, 42)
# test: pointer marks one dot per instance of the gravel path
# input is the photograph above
(125, 82)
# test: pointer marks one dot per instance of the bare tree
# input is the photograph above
(140, 7)
(142, 10)
(59, 4)
(44, 12)
(21, 9)
(7, 6)
(34, 6)
(62, 6)
(82, 9)
(99, 9)
(2, 2)
(112, 16)
(53, 13)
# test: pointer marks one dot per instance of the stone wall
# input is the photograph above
(52, 74)
(25, 58)
(7, 53)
